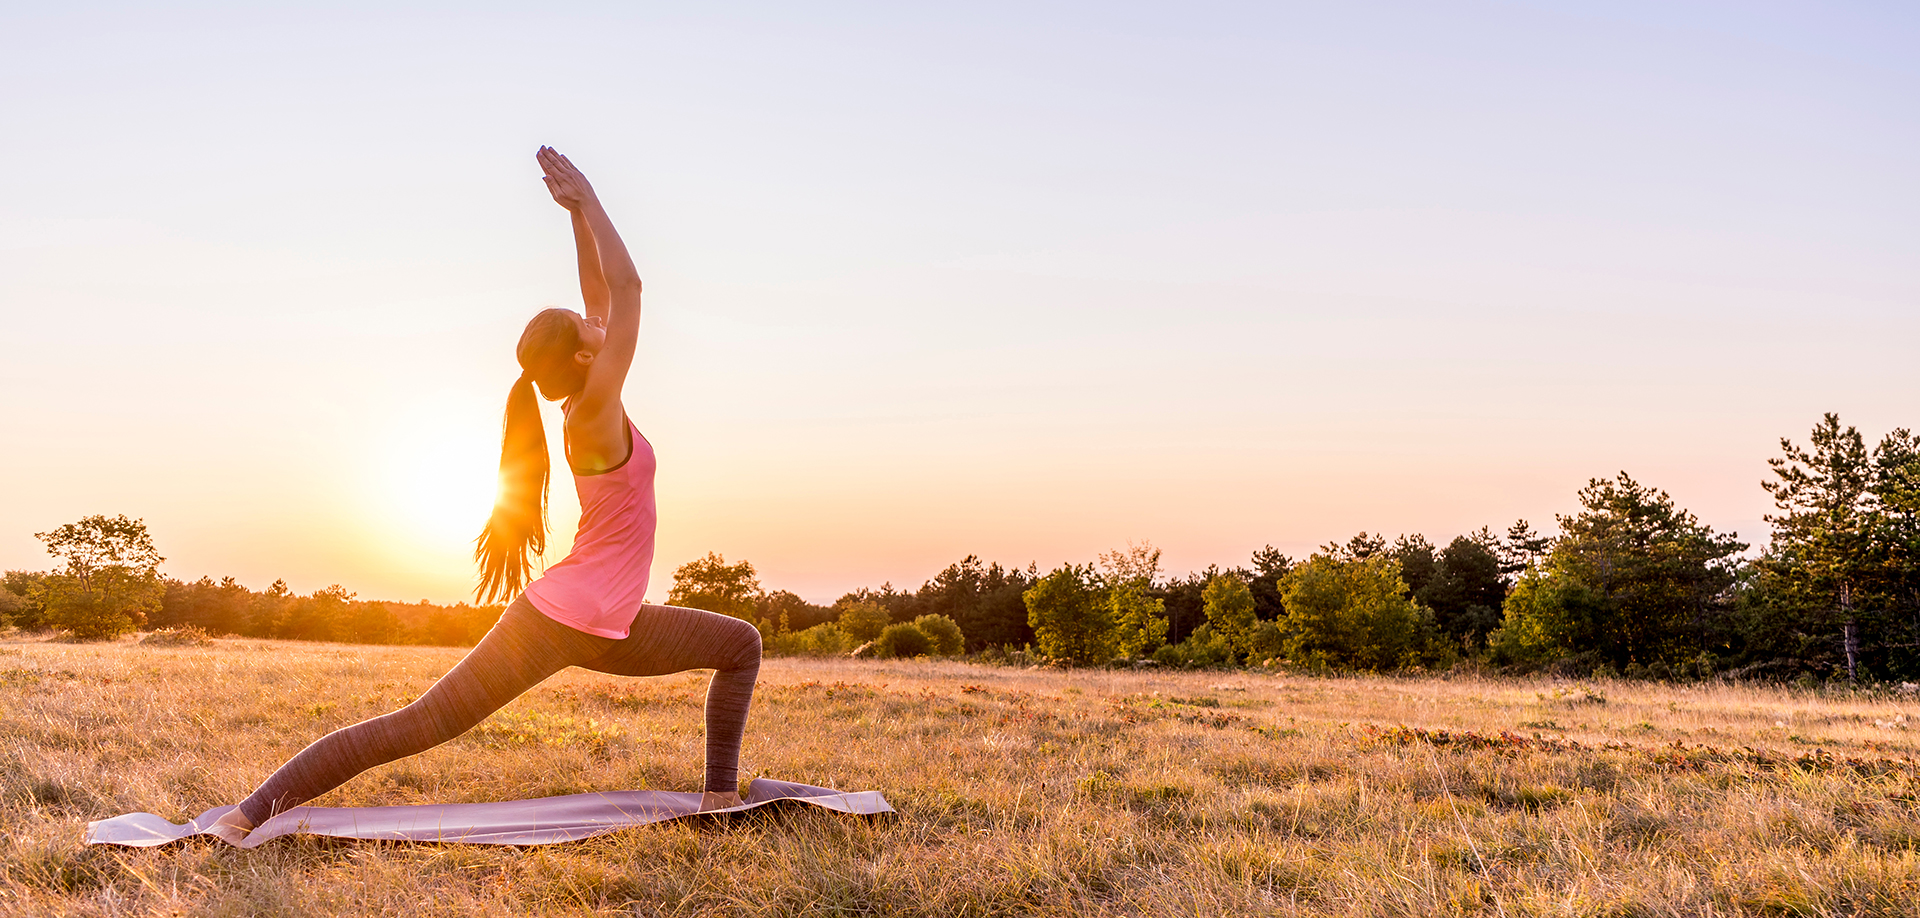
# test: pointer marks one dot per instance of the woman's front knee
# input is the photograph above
(746, 646)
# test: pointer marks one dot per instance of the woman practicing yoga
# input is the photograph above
(585, 610)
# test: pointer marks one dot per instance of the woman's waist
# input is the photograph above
(607, 578)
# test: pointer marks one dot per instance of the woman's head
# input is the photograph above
(556, 350)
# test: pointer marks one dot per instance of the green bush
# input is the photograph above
(943, 632)
(1202, 648)
(1549, 616)
(863, 620)
(822, 640)
(902, 641)
(27, 609)
(1267, 641)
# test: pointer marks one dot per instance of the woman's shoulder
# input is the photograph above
(598, 440)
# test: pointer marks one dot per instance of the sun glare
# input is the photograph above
(439, 477)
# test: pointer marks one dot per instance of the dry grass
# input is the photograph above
(1020, 792)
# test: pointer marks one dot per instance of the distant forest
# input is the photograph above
(1629, 585)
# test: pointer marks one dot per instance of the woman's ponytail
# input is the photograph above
(518, 528)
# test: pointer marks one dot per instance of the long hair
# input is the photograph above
(517, 530)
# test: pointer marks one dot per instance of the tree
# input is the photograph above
(1359, 548)
(983, 599)
(267, 611)
(898, 605)
(1071, 621)
(1632, 580)
(1549, 617)
(1523, 548)
(863, 619)
(1894, 502)
(1186, 609)
(219, 608)
(1466, 589)
(1419, 563)
(1139, 620)
(712, 584)
(371, 623)
(1269, 566)
(110, 579)
(786, 611)
(323, 616)
(1352, 611)
(1837, 586)
(1229, 608)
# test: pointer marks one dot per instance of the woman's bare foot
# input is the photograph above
(232, 826)
(716, 801)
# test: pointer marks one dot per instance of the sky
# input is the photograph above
(1029, 281)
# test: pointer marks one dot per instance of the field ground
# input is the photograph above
(1019, 792)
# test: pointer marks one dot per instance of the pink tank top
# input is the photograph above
(599, 586)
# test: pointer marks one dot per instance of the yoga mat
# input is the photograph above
(543, 821)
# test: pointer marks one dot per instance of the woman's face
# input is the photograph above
(593, 332)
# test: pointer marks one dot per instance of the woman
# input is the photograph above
(586, 610)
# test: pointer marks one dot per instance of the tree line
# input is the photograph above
(109, 584)
(1630, 584)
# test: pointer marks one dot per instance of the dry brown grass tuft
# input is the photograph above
(1020, 792)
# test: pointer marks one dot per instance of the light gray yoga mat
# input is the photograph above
(513, 822)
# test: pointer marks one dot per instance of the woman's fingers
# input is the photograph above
(549, 160)
(563, 178)
(555, 177)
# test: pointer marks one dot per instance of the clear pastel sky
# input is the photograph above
(1024, 280)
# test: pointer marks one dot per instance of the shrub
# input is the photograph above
(822, 640)
(26, 609)
(1203, 647)
(1548, 616)
(1266, 641)
(186, 636)
(943, 632)
(864, 619)
(902, 641)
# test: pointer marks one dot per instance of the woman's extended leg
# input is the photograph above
(523, 648)
(670, 639)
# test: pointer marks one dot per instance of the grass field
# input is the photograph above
(1020, 791)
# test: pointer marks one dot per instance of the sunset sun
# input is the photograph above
(438, 478)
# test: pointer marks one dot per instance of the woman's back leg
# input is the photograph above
(522, 649)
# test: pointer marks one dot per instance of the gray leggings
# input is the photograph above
(524, 648)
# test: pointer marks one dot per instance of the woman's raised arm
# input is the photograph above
(596, 412)
(593, 285)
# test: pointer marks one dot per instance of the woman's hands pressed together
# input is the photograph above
(569, 187)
